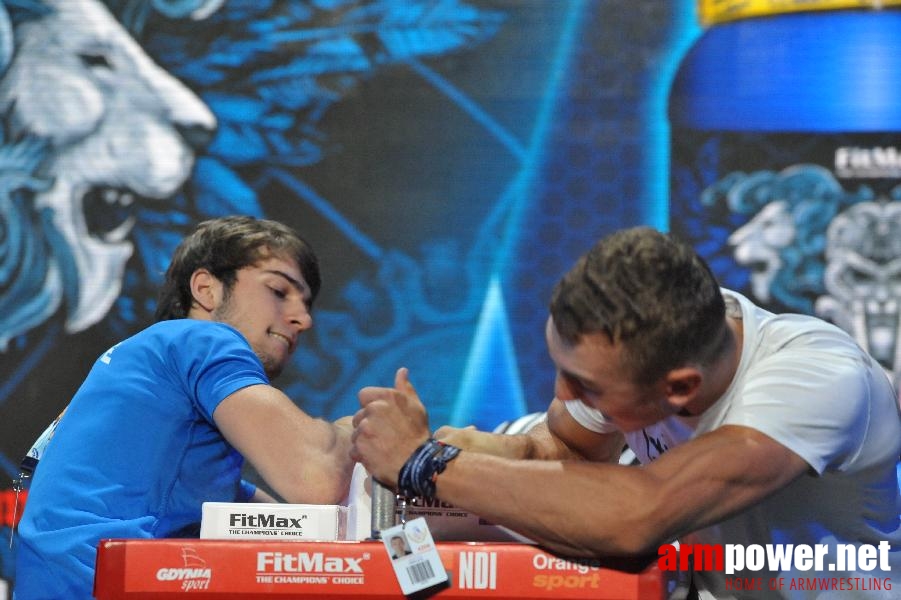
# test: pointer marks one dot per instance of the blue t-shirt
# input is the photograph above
(136, 453)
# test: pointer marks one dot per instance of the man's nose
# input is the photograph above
(301, 317)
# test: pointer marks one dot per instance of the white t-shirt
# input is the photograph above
(806, 384)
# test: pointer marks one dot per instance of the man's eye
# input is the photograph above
(279, 293)
(587, 390)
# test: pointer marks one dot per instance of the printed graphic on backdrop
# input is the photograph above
(792, 188)
(809, 245)
(100, 140)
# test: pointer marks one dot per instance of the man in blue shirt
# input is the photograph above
(164, 420)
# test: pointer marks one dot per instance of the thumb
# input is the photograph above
(402, 381)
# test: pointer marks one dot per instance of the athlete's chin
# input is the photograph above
(272, 366)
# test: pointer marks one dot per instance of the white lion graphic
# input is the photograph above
(759, 245)
(119, 128)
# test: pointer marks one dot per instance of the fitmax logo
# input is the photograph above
(303, 562)
(263, 520)
(431, 503)
(853, 161)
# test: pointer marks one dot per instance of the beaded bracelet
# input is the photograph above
(418, 475)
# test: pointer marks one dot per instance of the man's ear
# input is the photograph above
(206, 290)
(682, 386)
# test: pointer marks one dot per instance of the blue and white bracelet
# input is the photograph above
(418, 475)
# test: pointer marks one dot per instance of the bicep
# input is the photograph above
(259, 419)
(717, 475)
(286, 446)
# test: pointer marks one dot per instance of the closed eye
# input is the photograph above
(577, 383)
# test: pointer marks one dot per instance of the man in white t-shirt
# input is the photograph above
(759, 434)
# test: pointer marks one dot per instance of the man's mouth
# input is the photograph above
(108, 213)
(288, 341)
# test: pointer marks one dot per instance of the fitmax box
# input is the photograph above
(261, 521)
(446, 522)
(451, 524)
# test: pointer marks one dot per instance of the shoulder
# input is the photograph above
(790, 335)
(811, 388)
(175, 326)
(178, 331)
(187, 342)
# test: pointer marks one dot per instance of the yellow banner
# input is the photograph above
(719, 11)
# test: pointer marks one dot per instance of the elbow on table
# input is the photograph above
(323, 488)
(641, 540)
(622, 551)
(630, 538)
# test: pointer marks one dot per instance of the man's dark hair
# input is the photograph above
(225, 245)
(648, 292)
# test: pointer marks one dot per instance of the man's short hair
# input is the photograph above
(225, 245)
(648, 292)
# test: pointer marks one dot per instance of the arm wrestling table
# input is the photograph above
(226, 569)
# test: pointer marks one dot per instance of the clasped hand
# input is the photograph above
(390, 425)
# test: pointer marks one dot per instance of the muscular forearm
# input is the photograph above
(536, 444)
(507, 446)
(334, 466)
(575, 508)
(592, 509)
(323, 476)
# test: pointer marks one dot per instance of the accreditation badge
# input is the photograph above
(414, 557)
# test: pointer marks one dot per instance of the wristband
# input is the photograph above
(418, 475)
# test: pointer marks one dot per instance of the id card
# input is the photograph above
(414, 557)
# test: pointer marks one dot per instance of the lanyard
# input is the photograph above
(29, 464)
(19, 484)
